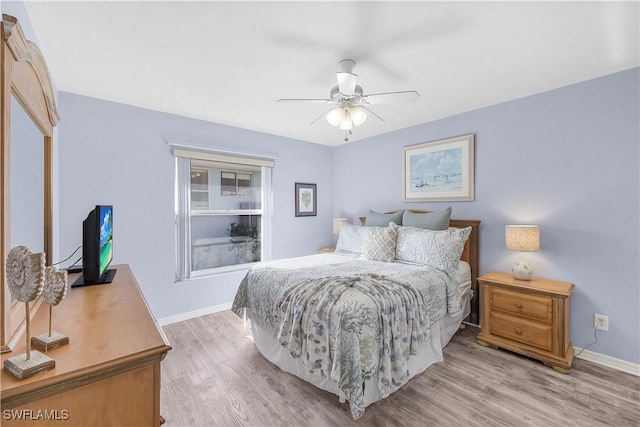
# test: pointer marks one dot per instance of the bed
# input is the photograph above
(361, 324)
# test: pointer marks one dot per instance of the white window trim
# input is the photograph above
(183, 154)
(228, 155)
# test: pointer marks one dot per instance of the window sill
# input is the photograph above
(213, 272)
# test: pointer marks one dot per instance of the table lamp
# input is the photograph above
(337, 222)
(522, 238)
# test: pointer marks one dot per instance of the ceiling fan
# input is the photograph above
(351, 104)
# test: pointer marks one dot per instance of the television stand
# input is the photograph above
(107, 277)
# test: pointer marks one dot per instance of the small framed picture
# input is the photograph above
(306, 199)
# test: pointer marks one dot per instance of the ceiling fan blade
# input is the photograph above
(319, 117)
(391, 97)
(365, 108)
(347, 82)
(306, 100)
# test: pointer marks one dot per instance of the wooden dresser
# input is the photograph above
(109, 373)
(528, 317)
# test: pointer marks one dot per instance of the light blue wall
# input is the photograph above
(116, 154)
(567, 160)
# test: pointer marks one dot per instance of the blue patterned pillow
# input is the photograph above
(439, 249)
(378, 219)
(351, 238)
(432, 220)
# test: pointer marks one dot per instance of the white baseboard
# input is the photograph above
(195, 313)
(609, 362)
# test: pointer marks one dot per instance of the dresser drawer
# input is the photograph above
(518, 329)
(538, 307)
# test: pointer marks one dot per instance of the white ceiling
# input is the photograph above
(228, 62)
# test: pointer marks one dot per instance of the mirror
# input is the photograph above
(27, 117)
(26, 181)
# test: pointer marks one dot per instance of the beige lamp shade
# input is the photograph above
(522, 238)
(337, 222)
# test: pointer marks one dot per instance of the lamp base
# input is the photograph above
(522, 271)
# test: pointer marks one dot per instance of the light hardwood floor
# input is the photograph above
(214, 376)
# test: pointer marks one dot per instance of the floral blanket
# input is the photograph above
(350, 321)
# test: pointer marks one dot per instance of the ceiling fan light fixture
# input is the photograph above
(346, 123)
(334, 117)
(357, 115)
(346, 116)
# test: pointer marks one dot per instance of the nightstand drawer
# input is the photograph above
(517, 329)
(538, 307)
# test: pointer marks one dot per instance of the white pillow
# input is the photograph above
(437, 249)
(350, 239)
(380, 243)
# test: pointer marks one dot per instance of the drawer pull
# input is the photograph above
(518, 304)
(518, 331)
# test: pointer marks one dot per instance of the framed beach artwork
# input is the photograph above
(306, 199)
(439, 170)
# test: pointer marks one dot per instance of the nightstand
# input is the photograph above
(325, 250)
(527, 317)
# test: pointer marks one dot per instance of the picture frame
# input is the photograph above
(440, 170)
(306, 199)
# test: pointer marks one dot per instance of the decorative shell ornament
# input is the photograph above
(55, 289)
(55, 285)
(25, 273)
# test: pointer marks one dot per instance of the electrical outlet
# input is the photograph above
(600, 321)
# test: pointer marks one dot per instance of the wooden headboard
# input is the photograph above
(470, 254)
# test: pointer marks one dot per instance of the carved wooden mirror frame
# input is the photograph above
(23, 73)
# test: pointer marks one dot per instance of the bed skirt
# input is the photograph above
(430, 352)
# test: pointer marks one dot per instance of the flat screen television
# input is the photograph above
(97, 247)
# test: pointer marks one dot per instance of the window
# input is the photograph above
(199, 188)
(228, 183)
(243, 184)
(235, 184)
(221, 210)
